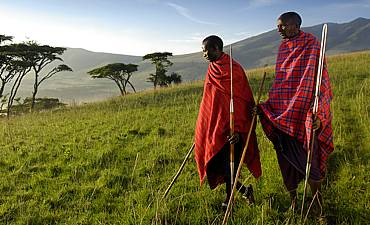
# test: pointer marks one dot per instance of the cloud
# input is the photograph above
(187, 14)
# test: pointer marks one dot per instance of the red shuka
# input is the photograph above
(213, 124)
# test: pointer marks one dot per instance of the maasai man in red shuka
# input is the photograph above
(286, 116)
(212, 142)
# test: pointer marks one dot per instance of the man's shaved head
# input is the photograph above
(212, 48)
(291, 18)
(214, 41)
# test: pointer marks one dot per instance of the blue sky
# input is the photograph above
(138, 27)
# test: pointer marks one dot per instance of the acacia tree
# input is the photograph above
(120, 73)
(39, 56)
(14, 67)
(21, 68)
(161, 62)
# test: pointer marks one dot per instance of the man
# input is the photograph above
(212, 141)
(286, 116)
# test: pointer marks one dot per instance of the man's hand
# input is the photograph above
(256, 110)
(316, 124)
(234, 138)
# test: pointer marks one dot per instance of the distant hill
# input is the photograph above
(346, 37)
(251, 52)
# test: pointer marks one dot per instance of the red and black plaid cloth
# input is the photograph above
(290, 102)
(213, 124)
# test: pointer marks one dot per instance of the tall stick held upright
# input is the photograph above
(315, 109)
(229, 205)
(232, 119)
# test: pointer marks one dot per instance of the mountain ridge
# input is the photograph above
(252, 52)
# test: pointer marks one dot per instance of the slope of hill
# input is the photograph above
(346, 37)
(251, 52)
(109, 162)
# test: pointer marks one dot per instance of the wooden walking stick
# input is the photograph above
(229, 205)
(315, 110)
(232, 119)
(178, 172)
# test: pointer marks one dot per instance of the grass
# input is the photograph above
(109, 162)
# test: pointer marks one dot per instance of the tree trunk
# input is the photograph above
(128, 82)
(123, 87)
(2, 88)
(34, 98)
(155, 81)
(119, 86)
(121, 90)
(132, 86)
(13, 93)
(14, 89)
(35, 89)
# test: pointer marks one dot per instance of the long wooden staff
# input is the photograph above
(315, 110)
(178, 172)
(228, 210)
(232, 119)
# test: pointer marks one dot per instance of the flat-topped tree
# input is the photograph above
(13, 68)
(161, 62)
(20, 65)
(120, 73)
(40, 56)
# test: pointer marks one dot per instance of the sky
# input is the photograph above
(139, 27)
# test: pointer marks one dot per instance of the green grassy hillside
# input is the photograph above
(109, 162)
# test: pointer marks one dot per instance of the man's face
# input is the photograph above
(210, 53)
(287, 29)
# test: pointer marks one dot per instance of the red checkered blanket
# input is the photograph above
(290, 102)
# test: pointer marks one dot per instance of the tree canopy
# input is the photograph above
(18, 59)
(39, 56)
(161, 62)
(120, 73)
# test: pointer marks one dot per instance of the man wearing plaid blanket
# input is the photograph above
(286, 116)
